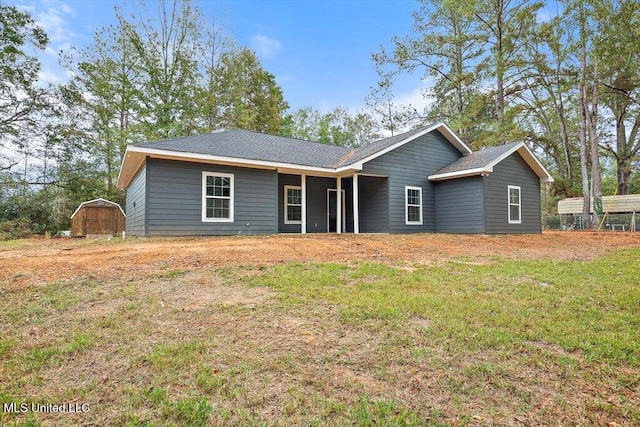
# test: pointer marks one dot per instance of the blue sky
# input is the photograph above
(319, 50)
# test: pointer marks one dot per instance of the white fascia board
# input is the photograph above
(124, 159)
(229, 160)
(446, 131)
(525, 152)
(459, 144)
(130, 166)
(459, 174)
(123, 181)
(528, 157)
(505, 155)
(544, 175)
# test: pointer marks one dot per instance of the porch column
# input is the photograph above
(356, 206)
(339, 204)
(303, 185)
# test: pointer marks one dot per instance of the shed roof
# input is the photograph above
(612, 204)
(482, 163)
(99, 199)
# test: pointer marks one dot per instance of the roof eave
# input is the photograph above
(135, 156)
(521, 148)
(459, 174)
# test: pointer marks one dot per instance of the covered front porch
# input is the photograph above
(324, 204)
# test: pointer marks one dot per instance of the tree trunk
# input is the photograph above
(499, 52)
(624, 175)
(592, 118)
(584, 168)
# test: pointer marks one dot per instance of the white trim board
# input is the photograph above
(286, 204)
(524, 151)
(99, 199)
(231, 198)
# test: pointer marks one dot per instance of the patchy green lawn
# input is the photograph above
(459, 342)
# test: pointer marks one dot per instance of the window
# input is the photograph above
(292, 204)
(413, 205)
(217, 197)
(514, 204)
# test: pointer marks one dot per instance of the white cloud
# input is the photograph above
(264, 46)
(53, 20)
(52, 75)
(415, 98)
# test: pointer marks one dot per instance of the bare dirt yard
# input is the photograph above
(323, 330)
(62, 259)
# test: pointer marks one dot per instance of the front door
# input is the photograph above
(332, 210)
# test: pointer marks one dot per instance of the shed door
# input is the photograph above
(99, 220)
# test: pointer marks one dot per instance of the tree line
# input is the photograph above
(562, 76)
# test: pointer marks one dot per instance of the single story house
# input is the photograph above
(240, 182)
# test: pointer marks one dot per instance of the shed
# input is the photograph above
(98, 216)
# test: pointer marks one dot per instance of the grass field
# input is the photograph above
(476, 339)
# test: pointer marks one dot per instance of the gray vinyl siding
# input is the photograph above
(460, 205)
(410, 165)
(174, 203)
(512, 171)
(373, 202)
(135, 204)
(284, 179)
(317, 203)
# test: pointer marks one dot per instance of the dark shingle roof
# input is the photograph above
(477, 159)
(243, 144)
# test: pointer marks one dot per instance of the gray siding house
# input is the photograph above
(240, 182)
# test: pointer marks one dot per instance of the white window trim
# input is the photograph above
(204, 196)
(406, 206)
(509, 204)
(286, 203)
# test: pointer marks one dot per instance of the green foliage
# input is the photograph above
(248, 96)
(337, 127)
(19, 70)
(15, 229)
(155, 74)
(501, 71)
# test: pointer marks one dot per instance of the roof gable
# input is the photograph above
(383, 146)
(99, 199)
(482, 162)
